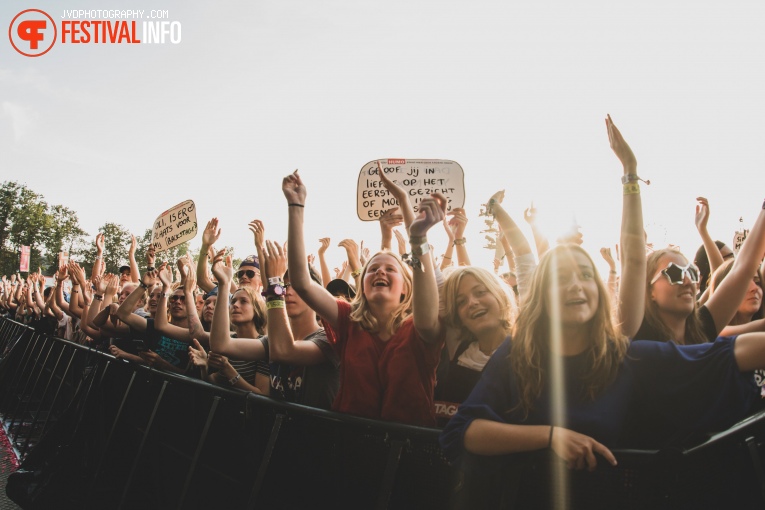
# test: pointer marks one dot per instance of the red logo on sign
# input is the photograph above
(397, 162)
(32, 32)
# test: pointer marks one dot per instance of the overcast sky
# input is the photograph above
(515, 92)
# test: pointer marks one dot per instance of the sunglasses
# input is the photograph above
(250, 274)
(173, 299)
(676, 274)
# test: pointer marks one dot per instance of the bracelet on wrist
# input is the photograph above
(356, 273)
(97, 297)
(275, 303)
(295, 205)
(142, 285)
(235, 379)
(460, 241)
(150, 268)
(628, 178)
(276, 280)
(631, 188)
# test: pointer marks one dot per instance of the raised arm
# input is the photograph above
(125, 310)
(726, 298)
(540, 240)
(424, 288)
(209, 236)
(325, 274)
(631, 303)
(247, 349)
(399, 193)
(196, 331)
(458, 222)
(258, 233)
(389, 219)
(315, 296)
(354, 264)
(98, 264)
(281, 343)
(160, 319)
(134, 271)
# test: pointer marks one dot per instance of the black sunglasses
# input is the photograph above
(250, 273)
(173, 299)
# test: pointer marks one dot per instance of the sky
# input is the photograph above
(515, 92)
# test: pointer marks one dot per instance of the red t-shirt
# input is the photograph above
(389, 380)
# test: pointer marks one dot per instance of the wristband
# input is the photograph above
(460, 242)
(631, 188)
(295, 205)
(276, 280)
(274, 303)
(97, 297)
(356, 273)
(235, 380)
(150, 268)
(142, 285)
(626, 179)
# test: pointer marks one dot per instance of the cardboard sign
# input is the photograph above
(24, 262)
(419, 177)
(175, 226)
(738, 239)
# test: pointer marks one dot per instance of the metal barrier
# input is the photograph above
(96, 432)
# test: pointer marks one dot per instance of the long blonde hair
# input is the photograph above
(259, 317)
(361, 312)
(530, 355)
(492, 284)
(694, 333)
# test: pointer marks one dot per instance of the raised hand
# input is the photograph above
(276, 260)
(293, 188)
(150, 255)
(324, 245)
(100, 243)
(351, 248)
(432, 210)
(530, 214)
(391, 218)
(133, 245)
(258, 232)
(211, 232)
(223, 269)
(702, 214)
(458, 221)
(165, 274)
(100, 283)
(620, 147)
(197, 354)
(400, 241)
(112, 283)
(606, 254)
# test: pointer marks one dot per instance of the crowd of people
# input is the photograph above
(547, 356)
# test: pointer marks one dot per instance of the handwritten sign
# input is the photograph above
(419, 177)
(738, 239)
(175, 226)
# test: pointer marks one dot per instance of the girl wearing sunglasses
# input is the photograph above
(671, 310)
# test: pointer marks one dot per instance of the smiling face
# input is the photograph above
(573, 289)
(477, 308)
(383, 279)
(154, 296)
(677, 299)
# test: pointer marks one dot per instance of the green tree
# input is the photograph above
(63, 234)
(117, 241)
(169, 255)
(25, 225)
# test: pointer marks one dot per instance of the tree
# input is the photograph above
(170, 255)
(63, 233)
(116, 245)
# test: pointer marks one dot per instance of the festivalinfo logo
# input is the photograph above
(34, 32)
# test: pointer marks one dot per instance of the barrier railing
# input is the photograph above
(96, 432)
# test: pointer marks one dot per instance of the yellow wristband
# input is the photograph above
(631, 188)
(276, 303)
(356, 273)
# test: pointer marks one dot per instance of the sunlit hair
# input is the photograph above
(719, 275)
(694, 333)
(493, 285)
(360, 310)
(259, 309)
(530, 355)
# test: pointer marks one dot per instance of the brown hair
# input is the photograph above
(694, 333)
(530, 355)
